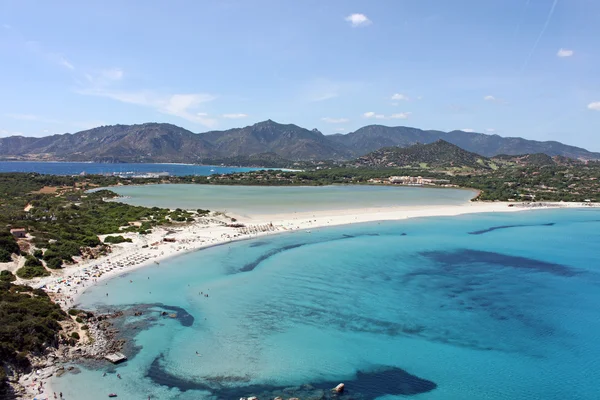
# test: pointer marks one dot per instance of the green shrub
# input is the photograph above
(54, 263)
(5, 256)
(28, 272)
(85, 327)
(31, 261)
(7, 276)
(27, 324)
(116, 239)
(75, 335)
(74, 311)
(38, 253)
(78, 319)
(8, 242)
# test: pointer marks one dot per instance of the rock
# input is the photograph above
(278, 398)
(253, 398)
(339, 388)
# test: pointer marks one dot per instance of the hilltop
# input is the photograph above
(439, 154)
(266, 142)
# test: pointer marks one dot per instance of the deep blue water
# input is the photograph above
(488, 306)
(75, 168)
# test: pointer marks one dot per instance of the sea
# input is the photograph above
(76, 168)
(481, 306)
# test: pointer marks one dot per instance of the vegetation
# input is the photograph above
(7, 276)
(437, 154)
(65, 220)
(29, 323)
(116, 239)
(8, 246)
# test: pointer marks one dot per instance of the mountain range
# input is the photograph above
(159, 142)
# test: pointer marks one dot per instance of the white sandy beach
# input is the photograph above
(66, 285)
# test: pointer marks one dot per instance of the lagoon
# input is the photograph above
(264, 200)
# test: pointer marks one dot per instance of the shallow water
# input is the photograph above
(252, 200)
(480, 306)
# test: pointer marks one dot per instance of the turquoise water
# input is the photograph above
(488, 306)
(75, 168)
(244, 200)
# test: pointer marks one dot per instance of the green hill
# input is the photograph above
(439, 154)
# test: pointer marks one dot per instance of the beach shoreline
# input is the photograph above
(67, 286)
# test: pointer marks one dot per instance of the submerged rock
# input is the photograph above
(339, 388)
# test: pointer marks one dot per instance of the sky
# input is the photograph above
(526, 68)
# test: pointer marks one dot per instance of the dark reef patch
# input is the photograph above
(253, 264)
(248, 267)
(259, 243)
(364, 385)
(495, 228)
(468, 257)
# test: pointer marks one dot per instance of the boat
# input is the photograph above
(112, 395)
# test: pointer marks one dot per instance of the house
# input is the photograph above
(19, 233)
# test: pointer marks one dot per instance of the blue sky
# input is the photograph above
(516, 68)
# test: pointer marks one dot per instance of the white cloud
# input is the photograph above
(490, 130)
(65, 63)
(399, 96)
(371, 114)
(113, 74)
(594, 106)
(179, 105)
(468, 130)
(340, 130)
(493, 99)
(334, 120)
(565, 53)
(357, 20)
(403, 115)
(234, 116)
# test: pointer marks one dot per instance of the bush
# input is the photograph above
(7, 276)
(54, 263)
(116, 239)
(27, 324)
(202, 212)
(75, 335)
(28, 272)
(74, 311)
(8, 242)
(39, 292)
(85, 327)
(78, 319)
(31, 261)
(38, 253)
(5, 256)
